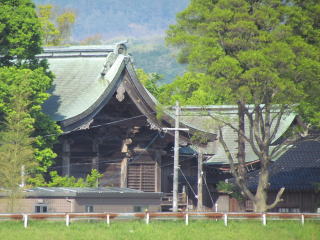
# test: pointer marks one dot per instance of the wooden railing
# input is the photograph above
(147, 216)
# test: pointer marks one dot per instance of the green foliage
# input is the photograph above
(20, 33)
(20, 41)
(36, 83)
(16, 149)
(56, 27)
(149, 80)
(49, 31)
(230, 189)
(199, 138)
(258, 52)
(59, 181)
(189, 89)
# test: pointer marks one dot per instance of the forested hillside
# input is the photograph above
(154, 57)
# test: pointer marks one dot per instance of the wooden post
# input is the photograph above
(264, 219)
(67, 220)
(108, 219)
(158, 156)
(176, 160)
(25, 220)
(187, 219)
(200, 182)
(147, 217)
(302, 219)
(65, 157)
(123, 173)
(225, 217)
(124, 163)
(95, 149)
(23, 176)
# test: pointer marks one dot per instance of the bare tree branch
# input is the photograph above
(255, 126)
(251, 132)
(276, 128)
(278, 199)
(239, 179)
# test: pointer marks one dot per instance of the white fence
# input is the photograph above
(149, 216)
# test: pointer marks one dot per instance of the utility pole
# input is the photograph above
(200, 181)
(176, 130)
(176, 159)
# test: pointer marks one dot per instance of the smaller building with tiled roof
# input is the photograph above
(298, 171)
(69, 199)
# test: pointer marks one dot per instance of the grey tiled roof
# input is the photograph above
(100, 192)
(84, 77)
(198, 118)
(297, 169)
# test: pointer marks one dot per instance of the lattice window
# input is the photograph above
(141, 176)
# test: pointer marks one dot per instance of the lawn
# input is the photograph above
(163, 230)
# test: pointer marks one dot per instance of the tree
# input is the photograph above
(56, 25)
(149, 80)
(20, 42)
(46, 131)
(92, 180)
(49, 31)
(16, 151)
(20, 33)
(262, 56)
(65, 22)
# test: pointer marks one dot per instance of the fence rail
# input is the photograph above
(147, 216)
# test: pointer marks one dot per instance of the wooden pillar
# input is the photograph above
(66, 157)
(95, 149)
(200, 182)
(124, 162)
(158, 157)
(124, 170)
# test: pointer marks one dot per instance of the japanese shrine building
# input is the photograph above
(110, 123)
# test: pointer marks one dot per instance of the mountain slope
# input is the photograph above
(125, 18)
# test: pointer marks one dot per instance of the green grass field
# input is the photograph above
(163, 230)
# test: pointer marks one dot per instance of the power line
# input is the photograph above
(148, 145)
(205, 182)
(162, 166)
(99, 125)
(188, 182)
(111, 161)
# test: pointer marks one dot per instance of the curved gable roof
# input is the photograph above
(84, 78)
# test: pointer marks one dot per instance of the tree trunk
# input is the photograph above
(241, 141)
